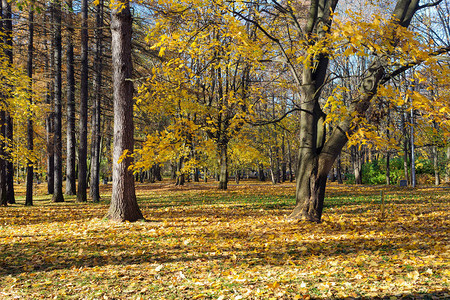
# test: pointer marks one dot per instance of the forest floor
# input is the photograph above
(201, 243)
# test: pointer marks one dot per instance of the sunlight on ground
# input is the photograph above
(201, 243)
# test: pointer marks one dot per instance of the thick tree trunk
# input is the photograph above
(180, 175)
(96, 136)
(57, 137)
(261, 176)
(71, 176)
(30, 145)
(82, 146)
(223, 165)
(124, 206)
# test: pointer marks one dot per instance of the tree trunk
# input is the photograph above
(124, 206)
(180, 176)
(30, 145)
(405, 147)
(82, 146)
(261, 176)
(96, 135)
(283, 161)
(447, 169)
(437, 177)
(357, 164)
(57, 137)
(9, 166)
(223, 165)
(205, 174)
(339, 170)
(71, 188)
(49, 65)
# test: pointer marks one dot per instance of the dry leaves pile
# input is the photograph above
(200, 243)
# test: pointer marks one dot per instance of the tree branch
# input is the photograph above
(428, 5)
(412, 64)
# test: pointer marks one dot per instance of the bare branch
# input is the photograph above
(429, 5)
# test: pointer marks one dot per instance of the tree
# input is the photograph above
(49, 123)
(82, 146)
(96, 130)
(383, 40)
(30, 144)
(124, 206)
(8, 129)
(57, 137)
(71, 142)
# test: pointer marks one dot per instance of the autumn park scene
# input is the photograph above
(193, 149)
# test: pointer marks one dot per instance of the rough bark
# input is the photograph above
(71, 176)
(124, 206)
(96, 136)
(82, 145)
(8, 40)
(57, 137)
(30, 145)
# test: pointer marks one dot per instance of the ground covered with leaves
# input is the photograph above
(201, 243)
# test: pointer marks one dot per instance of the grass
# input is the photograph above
(201, 243)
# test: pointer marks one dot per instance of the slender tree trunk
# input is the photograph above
(405, 147)
(30, 145)
(437, 177)
(57, 141)
(49, 100)
(447, 169)
(223, 165)
(71, 140)
(124, 206)
(339, 170)
(291, 173)
(413, 156)
(283, 162)
(9, 165)
(82, 146)
(96, 136)
(3, 199)
(237, 176)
